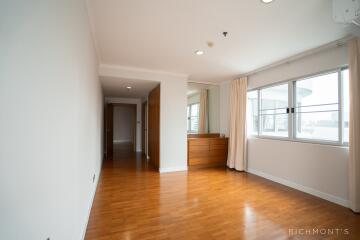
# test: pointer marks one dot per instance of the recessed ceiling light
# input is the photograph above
(199, 52)
(128, 87)
(267, 1)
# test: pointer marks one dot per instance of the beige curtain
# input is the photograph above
(237, 126)
(203, 111)
(354, 144)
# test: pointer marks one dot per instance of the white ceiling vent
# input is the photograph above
(346, 11)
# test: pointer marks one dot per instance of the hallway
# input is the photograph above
(135, 202)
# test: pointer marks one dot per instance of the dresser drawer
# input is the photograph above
(193, 154)
(218, 147)
(198, 141)
(219, 141)
(206, 152)
(198, 148)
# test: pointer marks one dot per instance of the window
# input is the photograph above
(273, 107)
(317, 107)
(252, 122)
(312, 109)
(193, 117)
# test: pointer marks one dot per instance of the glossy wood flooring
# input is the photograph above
(134, 202)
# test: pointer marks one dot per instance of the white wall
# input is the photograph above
(51, 121)
(214, 109)
(136, 101)
(173, 101)
(224, 108)
(320, 170)
(123, 124)
(173, 129)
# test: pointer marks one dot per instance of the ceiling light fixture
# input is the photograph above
(128, 87)
(199, 52)
(267, 1)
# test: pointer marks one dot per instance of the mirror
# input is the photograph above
(203, 108)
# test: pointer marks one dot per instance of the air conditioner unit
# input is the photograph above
(346, 11)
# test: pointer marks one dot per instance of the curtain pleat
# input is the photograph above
(354, 130)
(237, 125)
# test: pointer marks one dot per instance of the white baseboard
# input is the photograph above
(97, 177)
(309, 190)
(173, 169)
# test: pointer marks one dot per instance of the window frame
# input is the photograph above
(291, 116)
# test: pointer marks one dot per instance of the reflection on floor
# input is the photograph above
(133, 201)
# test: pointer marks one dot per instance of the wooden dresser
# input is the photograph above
(207, 152)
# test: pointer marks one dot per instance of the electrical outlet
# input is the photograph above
(94, 178)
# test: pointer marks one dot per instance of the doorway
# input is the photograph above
(120, 128)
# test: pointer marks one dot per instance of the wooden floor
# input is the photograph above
(134, 202)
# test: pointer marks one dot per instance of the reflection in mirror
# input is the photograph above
(203, 108)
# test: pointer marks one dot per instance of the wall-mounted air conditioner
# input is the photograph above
(346, 11)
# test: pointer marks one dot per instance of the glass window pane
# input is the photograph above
(317, 108)
(194, 124)
(194, 110)
(275, 125)
(274, 119)
(346, 104)
(317, 90)
(193, 117)
(252, 121)
(318, 125)
(274, 97)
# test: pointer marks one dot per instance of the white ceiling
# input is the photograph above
(163, 34)
(116, 87)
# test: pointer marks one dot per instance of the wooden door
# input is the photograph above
(143, 127)
(109, 130)
(154, 126)
(134, 124)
